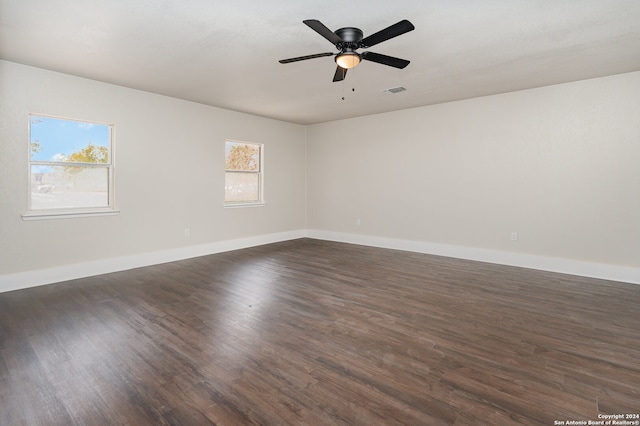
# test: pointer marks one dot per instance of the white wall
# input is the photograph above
(169, 176)
(559, 165)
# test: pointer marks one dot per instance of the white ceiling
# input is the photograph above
(225, 53)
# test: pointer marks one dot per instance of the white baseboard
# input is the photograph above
(551, 264)
(39, 277)
(20, 280)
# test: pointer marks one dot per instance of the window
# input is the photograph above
(243, 180)
(70, 167)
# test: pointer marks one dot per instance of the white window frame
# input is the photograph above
(260, 173)
(61, 213)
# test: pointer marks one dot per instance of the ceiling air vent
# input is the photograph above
(395, 90)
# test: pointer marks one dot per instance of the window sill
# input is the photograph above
(67, 214)
(239, 205)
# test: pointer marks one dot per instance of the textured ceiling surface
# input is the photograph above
(226, 54)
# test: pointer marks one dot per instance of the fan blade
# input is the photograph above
(325, 32)
(340, 74)
(385, 60)
(394, 30)
(303, 58)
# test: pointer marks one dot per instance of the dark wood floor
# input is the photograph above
(320, 333)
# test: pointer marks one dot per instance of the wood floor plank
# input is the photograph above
(310, 332)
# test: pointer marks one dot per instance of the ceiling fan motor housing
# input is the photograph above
(350, 37)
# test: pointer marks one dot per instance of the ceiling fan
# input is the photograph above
(347, 40)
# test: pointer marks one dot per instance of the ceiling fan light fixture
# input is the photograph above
(348, 60)
(348, 40)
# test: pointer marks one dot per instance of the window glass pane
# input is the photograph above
(242, 187)
(62, 187)
(55, 139)
(242, 157)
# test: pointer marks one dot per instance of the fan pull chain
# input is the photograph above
(344, 83)
(353, 74)
(353, 77)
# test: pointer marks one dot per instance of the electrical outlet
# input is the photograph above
(187, 232)
(358, 222)
(514, 236)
